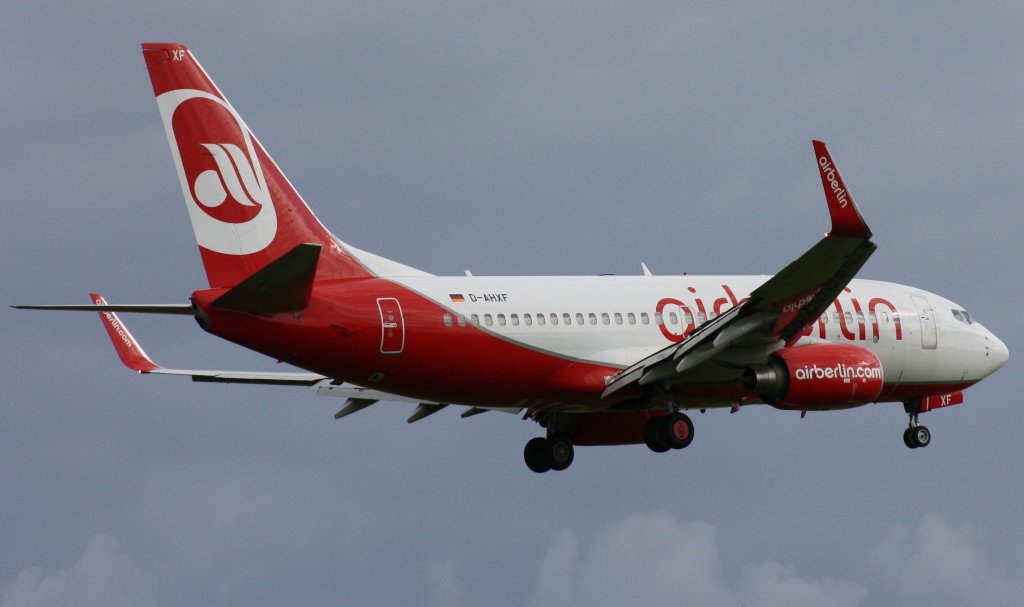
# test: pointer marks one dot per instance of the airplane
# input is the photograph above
(593, 360)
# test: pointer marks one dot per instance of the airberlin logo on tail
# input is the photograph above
(237, 175)
(832, 178)
(221, 178)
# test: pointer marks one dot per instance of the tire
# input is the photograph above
(908, 438)
(559, 453)
(535, 454)
(678, 430)
(652, 436)
(921, 436)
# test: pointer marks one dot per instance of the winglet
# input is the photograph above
(129, 350)
(846, 218)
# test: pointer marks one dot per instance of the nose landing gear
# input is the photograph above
(915, 435)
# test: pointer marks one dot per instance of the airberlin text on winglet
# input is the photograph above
(832, 177)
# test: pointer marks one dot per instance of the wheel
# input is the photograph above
(653, 435)
(921, 436)
(908, 438)
(678, 430)
(559, 452)
(535, 455)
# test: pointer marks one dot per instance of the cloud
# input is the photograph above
(653, 558)
(104, 577)
(943, 565)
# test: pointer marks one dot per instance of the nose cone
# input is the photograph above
(998, 353)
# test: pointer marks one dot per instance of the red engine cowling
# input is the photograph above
(817, 377)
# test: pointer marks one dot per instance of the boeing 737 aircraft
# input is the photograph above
(604, 360)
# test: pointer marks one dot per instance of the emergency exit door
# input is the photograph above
(392, 326)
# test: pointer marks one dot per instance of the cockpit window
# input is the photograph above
(963, 316)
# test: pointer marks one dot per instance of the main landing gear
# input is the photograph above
(915, 435)
(551, 453)
(555, 452)
(672, 431)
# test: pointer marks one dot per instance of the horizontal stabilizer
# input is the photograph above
(284, 285)
(185, 309)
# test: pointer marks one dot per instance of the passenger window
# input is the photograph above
(885, 317)
(475, 319)
(540, 319)
(631, 317)
(657, 319)
(462, 320)
(688, 316)
(528, 319)
(593, 318)
(605, 319)
(701, 319)
(824, 318)
(849, 318)
(567, 320)
(501, 319)
(860, 317)
(644, 318)
(448, 320)
(515, 320)
(488, 320)
(579, 318)
(618, 318)
(673, 318)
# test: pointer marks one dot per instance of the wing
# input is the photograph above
(779, 309)
(358, 397)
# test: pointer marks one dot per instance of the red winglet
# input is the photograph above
(846, 218)
(128, 349)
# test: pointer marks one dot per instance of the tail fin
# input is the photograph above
(244, 211)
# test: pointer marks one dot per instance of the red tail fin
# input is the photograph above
(244, 211)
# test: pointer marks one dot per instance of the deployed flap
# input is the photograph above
(784, 305)
(284, 285)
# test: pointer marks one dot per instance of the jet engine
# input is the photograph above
(817, 377)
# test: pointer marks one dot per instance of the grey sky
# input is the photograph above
(574, 138)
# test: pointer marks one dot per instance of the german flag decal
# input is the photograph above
(457, 297)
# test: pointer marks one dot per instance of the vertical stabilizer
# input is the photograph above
(244, 211)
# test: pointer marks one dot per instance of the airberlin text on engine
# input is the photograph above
(839, 371)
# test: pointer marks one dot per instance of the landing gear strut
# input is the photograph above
(552, 453)
(672, 431)
(915, 435)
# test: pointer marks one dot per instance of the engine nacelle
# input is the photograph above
(817, 377)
